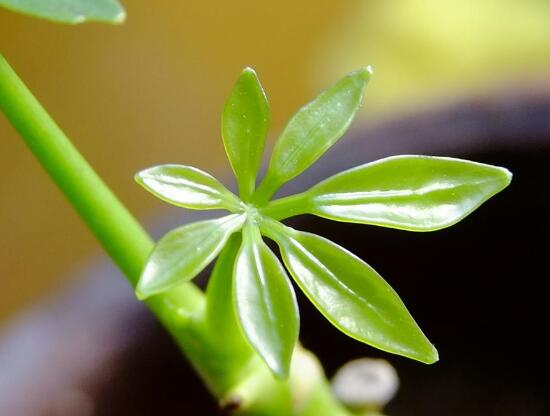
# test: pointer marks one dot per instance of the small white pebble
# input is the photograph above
(366, 383)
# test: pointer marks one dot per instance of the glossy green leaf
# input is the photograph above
(221, 316)
(69, 11)
(245, 122)
(187, 187)
(418, 193)
(313, 129)
(350, 294)
(265, 302)
(182, 253)
(219, 292)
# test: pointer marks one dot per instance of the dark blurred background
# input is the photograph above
(467, 78)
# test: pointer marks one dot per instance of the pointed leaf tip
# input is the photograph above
(249, 70)
(433, 357)
(509, 175)
(365, 73)
(245, 123)
(415, 193)
(350, 293)
(313, 130)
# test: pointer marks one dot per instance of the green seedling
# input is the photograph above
(415, 193)
(248, 317)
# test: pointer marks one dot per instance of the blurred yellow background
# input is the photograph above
(151, 91)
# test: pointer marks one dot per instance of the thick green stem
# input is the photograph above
(118, 232)
(182, 310)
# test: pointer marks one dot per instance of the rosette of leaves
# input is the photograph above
(416, 193)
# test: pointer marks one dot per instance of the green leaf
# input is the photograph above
(69, 11)
(265, 302)
(350, 294)
(313, 129)
(221, 317)
(182, 253)
(187, 187)
(245, 122)
(417, 193)
(220, 312)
